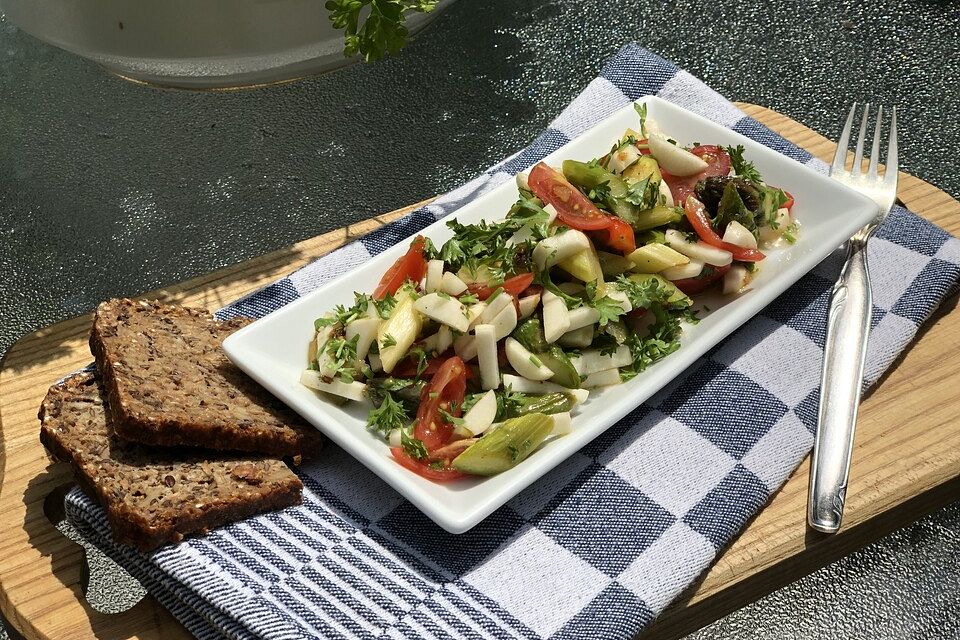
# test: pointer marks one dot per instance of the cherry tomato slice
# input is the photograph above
(410, 266)
(718, 164)
(691, 286)
(789, 203)
(445, 391)
(514, 286)
(423, 468)
(700, 221)
(618, 236)
(573, 208)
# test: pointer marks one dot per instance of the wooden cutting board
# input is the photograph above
(906, 461)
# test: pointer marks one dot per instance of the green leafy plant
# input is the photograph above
(374, 28)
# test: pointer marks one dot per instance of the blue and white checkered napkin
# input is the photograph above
(601, 545)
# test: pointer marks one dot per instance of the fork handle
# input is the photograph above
(848, 326)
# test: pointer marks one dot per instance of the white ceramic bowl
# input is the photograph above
(272, 349)
(194, 43)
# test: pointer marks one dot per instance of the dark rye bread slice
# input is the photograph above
(154, 497)
(170, 384)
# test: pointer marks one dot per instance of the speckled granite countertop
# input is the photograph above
(177, 184)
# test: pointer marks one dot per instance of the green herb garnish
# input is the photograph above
(388, 416)
(641, 110)
(414, 447)
(381, 32)
(608, 308)
(745, 169)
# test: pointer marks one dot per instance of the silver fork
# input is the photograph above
(848, 326)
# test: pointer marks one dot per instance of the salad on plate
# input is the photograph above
(476, 352)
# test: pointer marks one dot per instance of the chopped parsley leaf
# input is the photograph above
(388, 416)
(414, 447)
(642, 112)
(608, 308)
(343, 355)
(745, 169)
(385, 306)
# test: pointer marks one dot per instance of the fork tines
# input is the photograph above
(856, 170)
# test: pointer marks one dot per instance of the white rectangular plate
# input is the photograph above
(273, 350)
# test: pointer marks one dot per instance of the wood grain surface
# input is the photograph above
(906, 460)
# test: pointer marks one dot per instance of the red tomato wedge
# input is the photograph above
(407, 368)
(700, 221)
(410, 266)
(618, 236)
(573, 208)
(423, 468)
(691, 286)
(718, 164)
(445, 391)
(514, 286)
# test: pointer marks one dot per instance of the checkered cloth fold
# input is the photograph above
(599, 546)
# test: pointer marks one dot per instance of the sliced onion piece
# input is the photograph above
(523, 385)
(395, 438)
(582, 317)
(551, 212)
(578, 338)
(605, 378)
(698, 250)
(666, 193)
(495, 304)
(474, 312)
(451, 284)
(355, 390)
(552, 250)
(735, 280)
(562, 423)
(770, 234)
(482, 414)
(434, 276)
(365, 329)
(617, 295)
(444, 309)
(556, 317)
(525, 363)
(487, 356)
(528, 304)
(466, 347)
(673, 158)
(623, 158)
(593, 360)
(690, 270)
(739, 235)
(505, 322)
(521, 179)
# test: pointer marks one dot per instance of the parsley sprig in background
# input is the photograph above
(374, 28)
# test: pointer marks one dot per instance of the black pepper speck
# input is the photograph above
(109, 188)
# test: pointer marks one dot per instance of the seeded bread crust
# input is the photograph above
(170, 384)
(156, 497)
